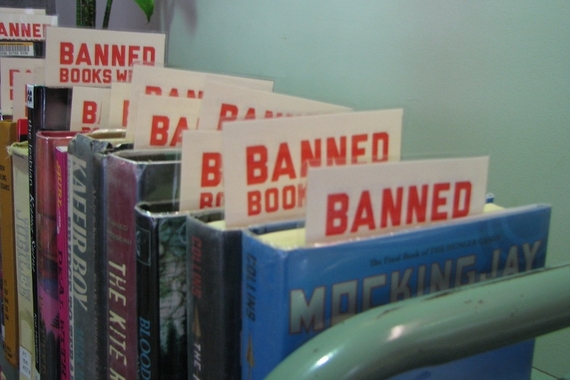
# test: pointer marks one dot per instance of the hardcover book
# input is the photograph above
(132, 176)
(48, 110)
(8, 136)
(161, 291)
(317, 286)
(61, 182)
(214, 318)
(47, 251)
(88, 155)
(27, 349)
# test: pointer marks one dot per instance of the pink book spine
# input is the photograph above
(62, 248)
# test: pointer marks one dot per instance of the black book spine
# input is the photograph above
(49, 108)
(148, 332)
(214, 275)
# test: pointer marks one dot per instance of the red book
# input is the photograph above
(60, 179)
(132, 176)
(47, 251)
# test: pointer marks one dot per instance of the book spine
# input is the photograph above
(129, 182)
(47, 252)
(122, 183)
(8, 135)
(214, 276)
(35, 117)
(24, 262)
(260, 308)
(88, 304)
(48, 109)
(62, 250)
(171, 296)
(147, 296)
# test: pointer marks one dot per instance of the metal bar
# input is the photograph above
(437, 328)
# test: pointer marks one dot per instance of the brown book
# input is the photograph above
(8, 135)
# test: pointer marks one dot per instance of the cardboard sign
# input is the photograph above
(364, 200)
(223, 102)
(96, 57)
(178, 83)
(89, 108)
(265, 177)
(161, 120)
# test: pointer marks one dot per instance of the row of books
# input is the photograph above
(136, 254)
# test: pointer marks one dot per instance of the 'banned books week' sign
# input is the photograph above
(92, 57)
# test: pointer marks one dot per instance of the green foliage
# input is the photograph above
(86, 12)
(147, 6)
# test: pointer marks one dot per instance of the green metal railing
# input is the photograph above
(391, 339)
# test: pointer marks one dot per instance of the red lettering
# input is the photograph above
(364, 215)
(173, 93)
(462, 192)
(211, 169)
(336, 154)
(391, 208)
(208, 200)
(358, 150)
(63, 75)
(37, 30)
(253, 202)
(269, 114)
(310, 156)
(250, 114)
(159, 130)
(228, 112)
(192, 94)
(417, 204)
(66, 53)
(380, 147)
(439, 201)
(153, 90)
(289, 197)
(180, 127)
(271, 200)
(336, 219)
(118, 55)
(125, 112)
(256, 164)
(89, 112)
(101, 55)
(11, 75)
(14, 30)
(83, 55)
(133, 54)
(149, 54)
(283, 164)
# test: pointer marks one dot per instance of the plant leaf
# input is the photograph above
(147, 6)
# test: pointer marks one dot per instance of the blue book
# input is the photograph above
(292, 291)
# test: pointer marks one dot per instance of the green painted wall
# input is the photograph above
(473, 77)
(489, 77)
